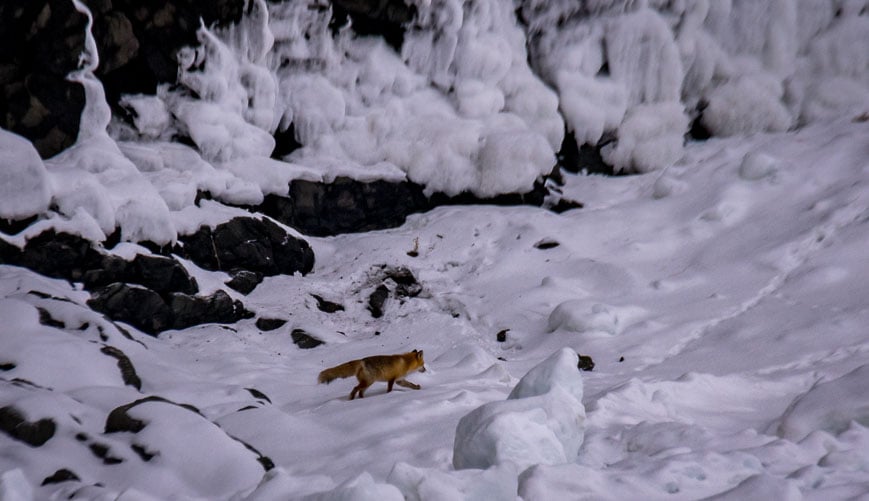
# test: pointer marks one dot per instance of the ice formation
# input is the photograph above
(477, 98)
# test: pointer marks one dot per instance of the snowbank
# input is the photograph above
(541, 422)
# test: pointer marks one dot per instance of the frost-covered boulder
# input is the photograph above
(24, 186)
(541, 422)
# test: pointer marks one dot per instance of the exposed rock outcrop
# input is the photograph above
(252, 244)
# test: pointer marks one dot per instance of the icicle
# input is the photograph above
(96, 114)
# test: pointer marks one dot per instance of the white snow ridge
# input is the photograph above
(722, 290)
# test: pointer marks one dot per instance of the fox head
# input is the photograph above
(418, 361)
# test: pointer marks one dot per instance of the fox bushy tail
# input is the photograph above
(347, 369)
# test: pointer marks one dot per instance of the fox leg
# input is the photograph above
(405, 383)
(389, 385)
(360, 389)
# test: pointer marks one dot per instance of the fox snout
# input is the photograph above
(422, 368)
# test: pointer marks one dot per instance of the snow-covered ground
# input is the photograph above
(723, 294)
(725, 302)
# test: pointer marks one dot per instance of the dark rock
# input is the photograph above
(161, 274)
(7, 366)
(304, 340)
(62, 255)
(269, 324)
(345, 205)
(698, 130)
(9, 254)
(45, 318)
(258, 394)
(621, 359)
(102, 451)
(546, 244)
(285, 142)
(128, 372)
(585, 363)
(218, 308)
(33, 433)
(244, 281)
(59, 255)
(251, 244)
(142, 452)
(141, 308)
(376, 301)
(158, 273)
(15, 226)
(406, 283)
(110, 269)
(535, 197)
(41, 44)
(386, 18)
(563, 205)
(120, 421)
(502, 335)
(61, 475)
(574, 158)
(327, 306)
(264, 461)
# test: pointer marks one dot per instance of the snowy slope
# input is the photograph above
(734, 286)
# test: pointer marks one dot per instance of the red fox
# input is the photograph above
(389, 368)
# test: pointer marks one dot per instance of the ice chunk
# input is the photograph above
(541, 422)
(24, 187)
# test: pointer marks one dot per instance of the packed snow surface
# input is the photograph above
(724, 302)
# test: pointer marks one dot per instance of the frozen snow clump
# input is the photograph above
(578, 316)
(541, 422)
(24, 188)
(756, 165)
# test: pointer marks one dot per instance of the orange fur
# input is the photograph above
(389, 368)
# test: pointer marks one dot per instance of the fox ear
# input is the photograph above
(419, 354)
(414, 351)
